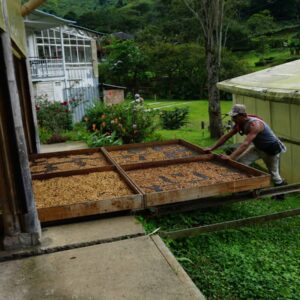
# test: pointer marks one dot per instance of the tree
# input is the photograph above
(210, 15)
(261, 22)
(125, 64)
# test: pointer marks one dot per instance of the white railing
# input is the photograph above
(45, 68)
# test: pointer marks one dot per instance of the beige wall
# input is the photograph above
(284, 119)
(113, 96)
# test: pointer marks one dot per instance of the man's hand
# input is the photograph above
(225, 157)
(207, 150)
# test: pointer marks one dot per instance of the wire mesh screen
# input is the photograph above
(83, 88)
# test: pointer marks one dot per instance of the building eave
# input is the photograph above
(279, 83)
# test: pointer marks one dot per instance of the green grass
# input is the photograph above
(192, 132)
(257, 262)
(280, 56)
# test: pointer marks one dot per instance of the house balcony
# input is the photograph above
(46, 68)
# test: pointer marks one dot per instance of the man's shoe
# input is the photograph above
(280, 197)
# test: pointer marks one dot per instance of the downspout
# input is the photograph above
(64, 64)
(29, 6)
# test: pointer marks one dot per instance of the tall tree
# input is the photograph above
(210, 15)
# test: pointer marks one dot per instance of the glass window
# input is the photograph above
(81, 54)
(68, 56)
(57, 34)
(39, 41)
(88, 54)
(53, 52)
(80, 42)
(59, 52)
(51, 33)
(46, 52)
(74, 54)
(41, 53)
(73, 41)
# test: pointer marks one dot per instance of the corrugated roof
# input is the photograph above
(39, 20)
(280, 81)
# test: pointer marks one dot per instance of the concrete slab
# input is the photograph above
(85, 232)
(63, 147)
(128, 269)
(75, 235)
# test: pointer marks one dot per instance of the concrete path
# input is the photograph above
(123, 263)
(63, 147)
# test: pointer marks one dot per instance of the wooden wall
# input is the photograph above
(284, 119)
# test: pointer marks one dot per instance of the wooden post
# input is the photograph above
(31, 229)
(29, 6)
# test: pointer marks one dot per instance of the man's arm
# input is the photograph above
(222, 140)
(255, 129)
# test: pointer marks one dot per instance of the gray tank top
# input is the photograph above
(266, 140)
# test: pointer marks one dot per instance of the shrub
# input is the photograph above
(174, 119)
(53, 116)
(131, 122)
(97, 139)
(44, 135)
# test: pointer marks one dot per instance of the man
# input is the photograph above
(260, 142)
(138, 98)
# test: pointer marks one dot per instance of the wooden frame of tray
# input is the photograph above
(260, 180)
(186, 144)
(87, 151)
(54, 213)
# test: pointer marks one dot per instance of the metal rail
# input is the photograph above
(195, 231)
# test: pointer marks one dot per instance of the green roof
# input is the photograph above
(277, 83)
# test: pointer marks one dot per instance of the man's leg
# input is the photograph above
(272, 163)
(249, 156)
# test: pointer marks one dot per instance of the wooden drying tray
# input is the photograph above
(67, 154)
(88, 208)
(257, 180)
(110, 149)
(64, 153)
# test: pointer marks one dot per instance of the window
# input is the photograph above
(77, 49)
(68, 56)
(48, 44)
(74, 54)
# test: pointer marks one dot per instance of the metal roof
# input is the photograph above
(105, 85)
(282, 81)
(39, 20)
(89, 30)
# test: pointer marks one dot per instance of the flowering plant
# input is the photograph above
(54, 117)
(130, 122)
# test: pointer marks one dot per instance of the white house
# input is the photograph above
(63, 60)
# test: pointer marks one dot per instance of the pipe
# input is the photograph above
(29, 6)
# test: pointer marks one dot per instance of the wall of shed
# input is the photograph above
(284, 120)
(113, 96)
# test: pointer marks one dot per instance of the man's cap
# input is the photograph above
(237, 109)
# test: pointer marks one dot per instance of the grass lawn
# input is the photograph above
(280, 56)
(258, 262)
(198, 111)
